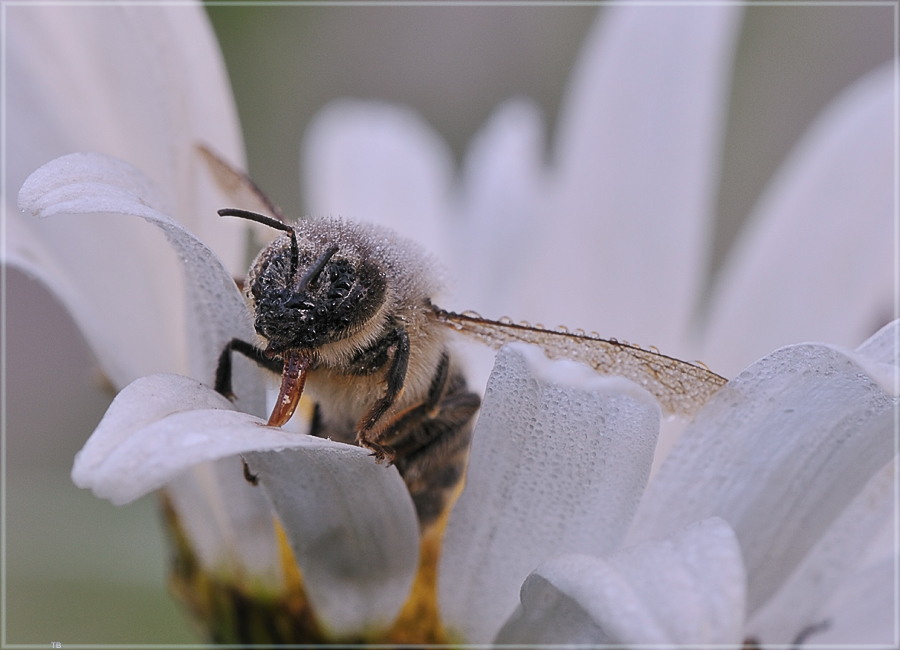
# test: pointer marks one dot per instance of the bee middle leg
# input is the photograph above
(372, 423)
(431, 449)
(429, 441)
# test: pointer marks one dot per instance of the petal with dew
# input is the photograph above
(93, 183)
(779, 452)
(632, 191)
(353, 529)
(831, 206)
(685, 590)
(879, 356)
(368, 161)
(560, 456)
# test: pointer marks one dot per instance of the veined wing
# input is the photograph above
(241, 191)
(680, 387)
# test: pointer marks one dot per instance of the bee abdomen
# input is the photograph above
(432, 457)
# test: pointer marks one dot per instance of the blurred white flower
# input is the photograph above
(145, 84)
(770, 506)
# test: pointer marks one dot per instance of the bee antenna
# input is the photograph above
(316, 269)
(272, 223)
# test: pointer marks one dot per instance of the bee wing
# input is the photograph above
(237, 186)
(680, 387)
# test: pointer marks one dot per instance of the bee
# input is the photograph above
(345, 313)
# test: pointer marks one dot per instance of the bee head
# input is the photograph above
(311, 294)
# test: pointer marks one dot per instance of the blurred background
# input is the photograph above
(79, 570)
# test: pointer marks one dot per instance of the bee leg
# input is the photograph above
(431, 443)
(366, 434)
(249, 476)
(223, 379)
(223, 369)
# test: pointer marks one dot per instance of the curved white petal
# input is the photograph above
(160, 426)
(138, 405)
(353, 529)
(357, 548)
(623, 243)
(368, 161)
(817, 259)
(141, 83)
(559, 459)
(686, 590)
(800, 602)
(216, 312)
(779, 452)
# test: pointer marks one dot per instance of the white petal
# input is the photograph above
(216, 312)
(368, 161)
(120, 283)
(779, 453)
(131, 459)
(138, 405)
(229, 523)
(878, 356)
(502, 188)
(882, 345)
(142, 83)
(351, 522)
(817, 259)
(686, 590)
(799, 603)
(864, 609)
(623, 246)
(353, 529)
(559, 459)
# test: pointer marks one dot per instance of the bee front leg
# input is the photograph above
(223, 378)
(255, 354)
(366, 431)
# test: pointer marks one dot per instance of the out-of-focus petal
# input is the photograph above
(229, 523)
(779, 452)
(502, 189)
(367, 161)
(799, 603)
(353, 529)
(559, 459)
(141, 83)
(630, 210)
(816, 262)
(216, 312)
(686, 590)
(864, 608)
